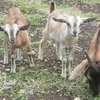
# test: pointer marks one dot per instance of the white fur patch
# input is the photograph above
(54, 36)
(74, 20)
(14, 29)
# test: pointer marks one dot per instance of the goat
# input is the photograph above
(64, 30)
(15, 34)
(91, 65)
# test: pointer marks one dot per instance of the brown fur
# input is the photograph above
(94, 51)
(15, 16)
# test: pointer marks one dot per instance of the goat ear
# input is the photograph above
(89, 60)
(59, 20)
(89, 76)
(85, 20)
(26, 27)
(2, 28)
(81, 68)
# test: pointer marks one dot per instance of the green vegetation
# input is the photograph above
(92, 1)
(30, 4)
(40, 79)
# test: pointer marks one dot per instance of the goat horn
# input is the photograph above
(88, 58)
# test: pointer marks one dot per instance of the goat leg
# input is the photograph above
(13, 64)
(18, 55)
(57, 50)
(64, 61)
(42, 43)
(6, 53)
(30, 58)
(70, 59)
(63, 74)
(40, 56)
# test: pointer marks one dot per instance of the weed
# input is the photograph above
(41, 79)
(1, 50)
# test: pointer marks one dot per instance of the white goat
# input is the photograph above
(15, 29)
(64, 30)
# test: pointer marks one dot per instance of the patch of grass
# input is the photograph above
(30, 5)
(74, 11)
(1, 50)
(2, 36)
(92, 1)
(92, 14)
(88, 34)
(35, 19)
(36, 44)
(2, 19)
(3, 94)
(39, 79)
(63, 7)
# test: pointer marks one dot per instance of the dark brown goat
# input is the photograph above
(16, 35)
(91, 65)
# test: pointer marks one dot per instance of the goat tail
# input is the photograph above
(11, 5)
(52, 6)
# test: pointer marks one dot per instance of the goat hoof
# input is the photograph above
(18, 59)
(63, 76)
(31, 65)
(12, 72)
(6, 63)
(40, 58)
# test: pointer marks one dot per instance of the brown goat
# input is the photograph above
(91, 65)
(16, 35)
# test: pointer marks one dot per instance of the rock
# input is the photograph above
(77, 98)
(7, 70)
(4, 99)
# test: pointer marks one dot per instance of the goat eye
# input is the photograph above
(17, 31)
(68, 24)
(5, 32)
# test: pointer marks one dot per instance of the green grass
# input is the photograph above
(1, 50)
(2, 36)
(2, 18)
(30, 5)
(35, 19)
(41, 80)
(35, 44)
(92, 1)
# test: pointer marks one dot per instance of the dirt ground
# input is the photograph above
(83, 44)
